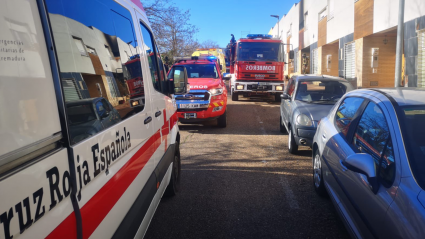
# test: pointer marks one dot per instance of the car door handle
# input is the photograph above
(343, 166)
(148, 119)
(157, 113)
(323, 136)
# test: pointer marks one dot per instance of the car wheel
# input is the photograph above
(319, 185)
(281, 126)
(292, 145)
(222, 120)
(235, 96)
(174, 186)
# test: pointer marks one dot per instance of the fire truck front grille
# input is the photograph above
(195, 95)
(259, 87)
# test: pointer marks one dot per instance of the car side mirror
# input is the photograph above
(180, 81)
(226, 76)
(291, 55)
(285, 96)
(364, 164)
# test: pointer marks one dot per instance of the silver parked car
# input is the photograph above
(307, 99)
(369, 157)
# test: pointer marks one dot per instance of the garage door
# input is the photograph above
(70, 90)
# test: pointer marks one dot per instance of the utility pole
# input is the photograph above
(399, 49)
(276, 16)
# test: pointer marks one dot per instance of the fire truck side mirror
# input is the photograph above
(180, 81)
(291, 55)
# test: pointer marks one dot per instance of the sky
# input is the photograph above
(218, 19)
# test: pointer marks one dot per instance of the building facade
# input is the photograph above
(355, 39)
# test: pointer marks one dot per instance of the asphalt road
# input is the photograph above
(241, 182)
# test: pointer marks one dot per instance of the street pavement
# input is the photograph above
(241, 182)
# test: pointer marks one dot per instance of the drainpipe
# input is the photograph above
(399, 49)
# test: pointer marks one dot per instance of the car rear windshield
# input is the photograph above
(78, 114)
(322, 91)
(258, 51)
(412, 120)
(200, 71)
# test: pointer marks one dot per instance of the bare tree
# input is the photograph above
(170, 25)
(209, 44)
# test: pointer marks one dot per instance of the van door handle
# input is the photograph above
(148, 119)
(343, 166)
(323, 136)
(157, 113)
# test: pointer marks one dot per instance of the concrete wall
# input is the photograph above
(385, 13)
(342, 22)
(313, 7)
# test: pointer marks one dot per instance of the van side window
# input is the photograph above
(149, 48)
(99, 63)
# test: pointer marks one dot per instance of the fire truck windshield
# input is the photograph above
(201, 71)
(133, 70)
(258, 51)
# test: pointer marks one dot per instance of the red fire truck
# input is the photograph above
(135, 81)
(256, 66)
(207, 99)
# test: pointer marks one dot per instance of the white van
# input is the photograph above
(79, 156)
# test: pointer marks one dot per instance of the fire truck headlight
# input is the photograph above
(239, 87)
(304, 120)
(279, 87)
(216, 91)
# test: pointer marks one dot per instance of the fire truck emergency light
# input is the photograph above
(263, 36)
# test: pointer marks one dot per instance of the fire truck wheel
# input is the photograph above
(282, 127)
(235, 96)
(292, 145)
(277, 98)
(174, 186)
(222, 120)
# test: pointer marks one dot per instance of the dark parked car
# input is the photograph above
(307, 99)
(369, 157)
(89, 116)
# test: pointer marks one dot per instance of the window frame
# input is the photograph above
(355, 119)
(82, 44)
(351, 133)
(155, 51)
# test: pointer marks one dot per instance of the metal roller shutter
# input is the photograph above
(315, 61)
(421, 58)
(350, 61)
(70, 90)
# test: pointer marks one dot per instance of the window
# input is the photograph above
(421, 58)
(322, 91)
(345, 113)
(80, 46)
(150, 46)
(201, 71)
(91, 50)
(411, 120)
(109, 34)
(108, 52)
(291, 87)
(306, 21)
(323, 14)
(372, 136)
